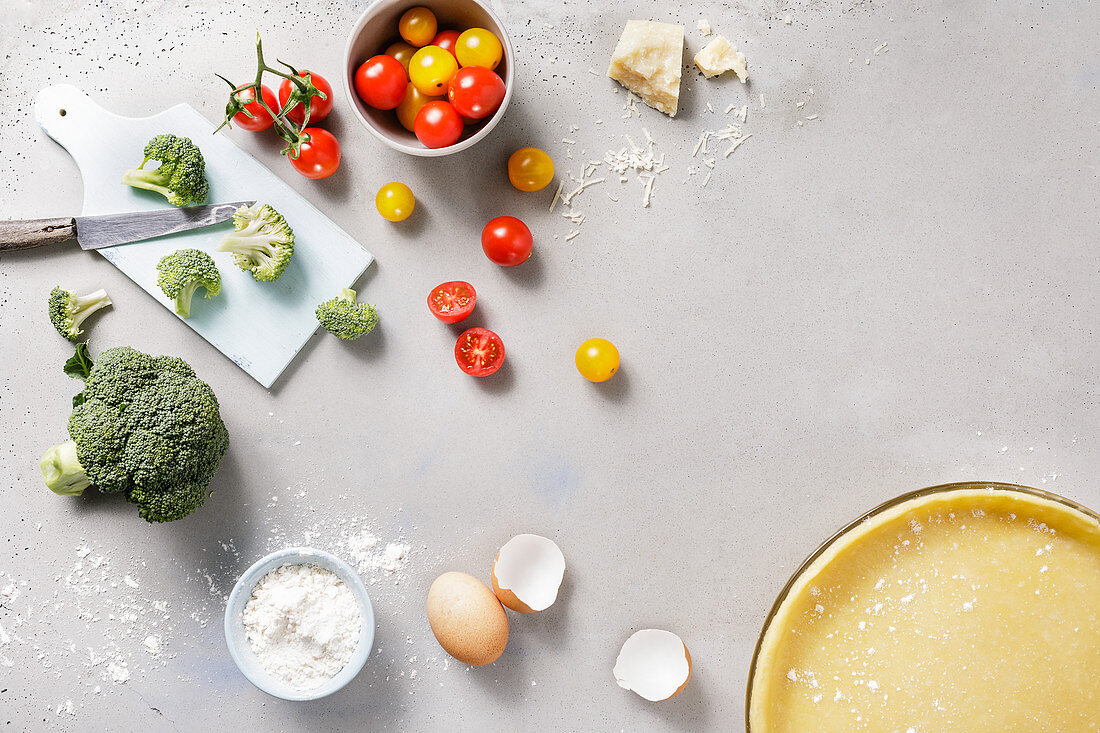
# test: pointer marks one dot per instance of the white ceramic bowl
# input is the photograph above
(376, 29)
(237, 639)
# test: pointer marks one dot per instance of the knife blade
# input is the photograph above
(108, 230)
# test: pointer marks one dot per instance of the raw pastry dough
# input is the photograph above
(964, 610)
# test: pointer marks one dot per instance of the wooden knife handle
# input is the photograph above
(35, 233)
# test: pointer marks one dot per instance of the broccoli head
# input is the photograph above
(183, 272)
(344, 318)
(262, 242)
(148, 428)
(68, 310)
(181, 177)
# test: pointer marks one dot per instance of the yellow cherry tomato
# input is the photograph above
(403, 52)
(478, 47)
(395, 201)
(431, 68)
(530, 169)
(410, 105)
(597, 360)
(417, 26)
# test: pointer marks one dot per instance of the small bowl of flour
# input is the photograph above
(299, 624)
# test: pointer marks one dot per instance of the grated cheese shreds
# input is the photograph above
(707, 179)
(557, 195)
(572, 234)
(701, 146)
(648, 191)
(567, 199)
(643, 161)
(736, 145)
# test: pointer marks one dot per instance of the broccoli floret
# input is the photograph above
(262, 242)
(68, 310)
(148, 428)
(344, 318)
(183, 272)
(181, 177)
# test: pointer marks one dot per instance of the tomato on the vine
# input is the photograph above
(530, 169)
(261, 119)
(507, 241)
(479, 352)
(417, 26)
(478, 47)
(318, 108)
(597, 360)
(452, 301)
(319, 156)
(475, 92)
(395, 201)
(438, 125)
(381, 81)
(446, 40)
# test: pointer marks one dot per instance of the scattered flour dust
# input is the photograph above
(369, 557)
(303, 624)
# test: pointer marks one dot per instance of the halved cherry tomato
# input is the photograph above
(417, 26)
(597, 360)
(453, 301)
(476, 92)
(437, 125)
(381, 81)
(320, 154)
(479, 352)
(261, 119)
(507, 241)
(318, 108)
(446, 40)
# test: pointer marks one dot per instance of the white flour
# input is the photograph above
(303, 624)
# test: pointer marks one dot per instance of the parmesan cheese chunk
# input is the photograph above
(647, 61)
(718, 57)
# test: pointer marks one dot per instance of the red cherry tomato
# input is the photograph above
(320, 155)
(381, 81)
(261, 119)
(318, 108)
(476, 92)
(479, 352)
(438, 125)
(507, 241)
(446, 40)
(453, 301)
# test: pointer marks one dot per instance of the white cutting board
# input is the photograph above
(260, 326)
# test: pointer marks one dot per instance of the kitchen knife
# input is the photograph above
(107, 230)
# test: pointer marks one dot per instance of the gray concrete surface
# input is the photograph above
(899, 293)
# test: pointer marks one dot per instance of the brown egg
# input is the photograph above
(467, 619)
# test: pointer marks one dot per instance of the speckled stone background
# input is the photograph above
(898, 293)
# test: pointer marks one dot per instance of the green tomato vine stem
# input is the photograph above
(304, 90)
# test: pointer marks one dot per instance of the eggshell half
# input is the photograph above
(467, 619)
(527, 573)
(654, 664)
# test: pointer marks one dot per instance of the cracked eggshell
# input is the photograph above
(467, 619)
(654, 664)
(527, 573)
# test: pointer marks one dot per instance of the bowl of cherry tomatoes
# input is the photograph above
(428, 79)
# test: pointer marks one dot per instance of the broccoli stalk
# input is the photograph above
(148, 428)
(181, 177)
(185, 271)
(68, 310)
(345, 318)
(62, 470)
(262, 243)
